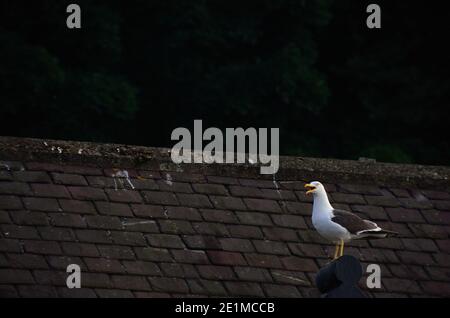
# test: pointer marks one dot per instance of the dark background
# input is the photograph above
(138, 69)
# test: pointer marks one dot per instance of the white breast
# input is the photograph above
(321, 218)
(330, 230)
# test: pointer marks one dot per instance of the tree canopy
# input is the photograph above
(138, 69)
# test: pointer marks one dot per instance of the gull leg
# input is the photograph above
(336, 251)
(342, 247)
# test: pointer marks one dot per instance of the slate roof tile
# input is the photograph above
(209, 231)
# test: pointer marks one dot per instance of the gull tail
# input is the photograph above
(380, 233)
(389, 233)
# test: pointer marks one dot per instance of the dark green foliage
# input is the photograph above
(138, 69)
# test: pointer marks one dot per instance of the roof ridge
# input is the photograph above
(291, 167)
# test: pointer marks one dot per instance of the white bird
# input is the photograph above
(339, 226)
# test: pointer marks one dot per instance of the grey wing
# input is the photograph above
(353, 223)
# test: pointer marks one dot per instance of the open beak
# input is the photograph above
(310, 187)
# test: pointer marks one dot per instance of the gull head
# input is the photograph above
(314, 187)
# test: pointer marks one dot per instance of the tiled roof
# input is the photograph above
(206, 230)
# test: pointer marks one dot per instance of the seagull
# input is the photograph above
(340, 226)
